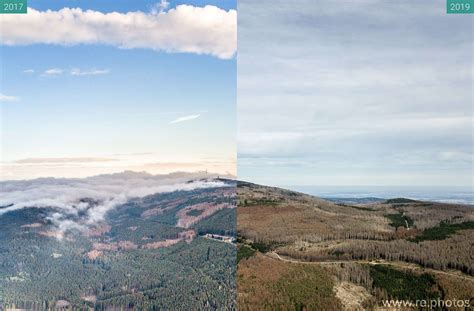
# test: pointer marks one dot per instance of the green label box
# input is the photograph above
(13, 6)
(459, 6)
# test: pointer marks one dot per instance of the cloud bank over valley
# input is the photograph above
(79, 203)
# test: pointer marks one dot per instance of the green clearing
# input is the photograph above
(244, 252)
(400, 201)
(443, 231)
(360, 208)
(404, 285)
(399, 220)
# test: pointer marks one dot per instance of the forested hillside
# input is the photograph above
(147, 254)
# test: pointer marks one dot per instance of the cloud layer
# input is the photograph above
(63, 160)
(188, 29)
(71, 197)
(340, 93)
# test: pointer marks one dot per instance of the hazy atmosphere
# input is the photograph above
(382, 98)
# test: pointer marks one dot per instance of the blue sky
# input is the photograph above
(122, 5)
(80, 109)
(354, 93)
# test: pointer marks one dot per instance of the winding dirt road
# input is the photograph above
(402, 265)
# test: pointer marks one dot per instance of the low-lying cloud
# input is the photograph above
(186, 29)
(64, 160)
(91, 198)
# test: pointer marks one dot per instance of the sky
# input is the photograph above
(95, 87)
(354, 93)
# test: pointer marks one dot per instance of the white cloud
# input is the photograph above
(52, 72)
(28, 71)
(201, 30)
(93, 72)
(73, 72)
(7, 98)
(185, 118)
(70, 197)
